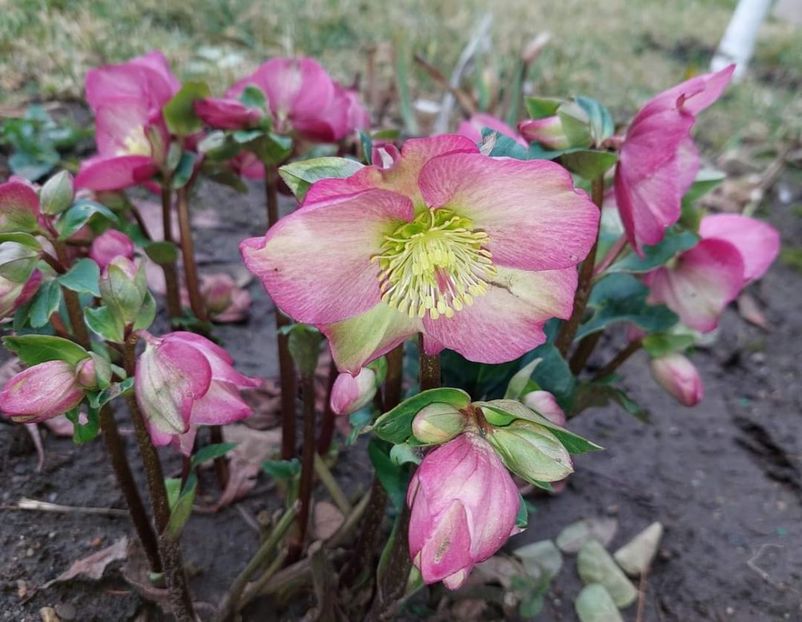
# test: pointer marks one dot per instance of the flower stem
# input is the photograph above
(619, 359)
(327, 425)
(169, 269)
(79, 329)
(286, 368)
(307, 467)
(188, 255)
(429, 368)
(566, 336)
(169, 547)
(583, 352)
(125, 480)
(615, 251)
(327, 479)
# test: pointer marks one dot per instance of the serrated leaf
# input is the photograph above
(395, 425)
(83, 277)
(80, 214)
(299, 176)
(162, 253)
(35, 349)
(674, 242)
(84, 432)
(179, 112)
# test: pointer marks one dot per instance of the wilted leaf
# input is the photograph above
(93, 566)
(540, 558)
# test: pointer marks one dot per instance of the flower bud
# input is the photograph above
(41, 392)
(13, 295)
(225, 300)
(531, 451)
(57, 193)
(679, 377)
(547, 131)
(123, 288)
(19, 207)
(438, 423)
(350, 393)
(109, 245)
(463, 508)
(543, 402)
(94, 372)
(17, 261)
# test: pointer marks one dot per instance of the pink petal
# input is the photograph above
(120, 120)
(19, 206)
(703, 282)
(227, 114)
(508, 320)
(472, 128)
(756, 241)
(41, 392)
(146, 77)
(316, 263)
(115, 173)
(219, 360)
(448, 548)
(109, 245)
(357, 341)
(534, 217)
(693, 95)
(220, 405)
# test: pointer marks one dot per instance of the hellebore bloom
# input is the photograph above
(301, 96)
(463, 508)
(547, 131)
(225, 301)
(701, 282)
(109, 245)
(544, 403)
(476, 253)
(679, 377)
(46, 390)
(659, 161)
(472, 128)
(132, 138)
(184, 380)
(350, 393)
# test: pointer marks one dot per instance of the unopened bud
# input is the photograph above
(57, 193)
(350, 393)
(123, 288)
(544, 403)
(547, 131)
(679, 377)
(17, 261)
(438, 423)
(531, 451)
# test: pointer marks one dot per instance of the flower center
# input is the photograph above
(435, 264)
(136, 143)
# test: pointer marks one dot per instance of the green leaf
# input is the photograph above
(553, 374)
(393, 477)
(83, 277)
(674, 242)
(243, 137)
(304, 346)
(282, 469)
(46, 302)
(660, 344)
(403, 453)
(80, 214)
(210, 452)
(183, 170)
(162, 253)
(254, 97)
(84, 432)
(575, 124)
(589, 163)
(35, 349)
(599, 394)
(147, 313)
(706, 180)
(104, 324)
(366, 142)
(522, 518)
(182, 508)
(395, 425)
(622, 298)
(117, 389)
(599, 118)
(179, 112)
(519, 383)
(299, 176)
(273, 148)
(542, 107)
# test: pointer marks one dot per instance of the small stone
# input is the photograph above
(575, 535)
(594, 604)
(48, 614)
(65, 611)
(540, 558)
(596, 565)
(29, 552)
(637, 554)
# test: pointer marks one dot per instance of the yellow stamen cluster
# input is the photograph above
(434, 265)
(136, 143)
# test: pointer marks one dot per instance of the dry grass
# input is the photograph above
(619, 51)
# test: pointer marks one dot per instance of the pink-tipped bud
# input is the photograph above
(19, 207)
(679, 377)
(109, 245)
(123, 288)
(463, 508)
(531, 451)
(227, 113)
(225, 300)
(41, 392)
(13, 294)
(57, 193)
(544, 403)
(350, 393)
(384, 155)
(86, 373)
(438, 423)
(547, 131)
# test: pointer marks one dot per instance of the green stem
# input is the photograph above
(327, 479)
(327, 425)
(619, 359)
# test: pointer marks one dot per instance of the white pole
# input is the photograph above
(738, 42)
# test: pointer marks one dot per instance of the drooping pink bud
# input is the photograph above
(225, 300)
(679, 377)
(350, 393)
(547, 131)
(544, 403)
(109, 245)
(464, 504)
(19, 207)
(41, 392)
(227, 113)
(184, 380)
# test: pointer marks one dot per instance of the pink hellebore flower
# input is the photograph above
(734, 250)
(46, 390)
(350, 393)
(472, 128)
(463, 508)
(132, 138)
(13, 295)
(659, 161)
(544, 403)
(476, 253)
(184, 380)
(109, 245)
(301, 96)
(679, 377)
(225, 301)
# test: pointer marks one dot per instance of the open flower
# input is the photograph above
(472, 128)
(659, 161)
(301, 97)
(476, 253)
(463, 508)
(46, 390)
(701, 282)
(184, 380)
(132, 138)
(679, 377)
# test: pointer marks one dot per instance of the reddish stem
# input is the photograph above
(188, 255)
(169, 269)
(327, 425)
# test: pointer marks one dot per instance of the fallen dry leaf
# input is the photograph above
(327, 520)
(60, 426)
(136, 570)
(749, 310)
(93, 566)
(33, 431)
